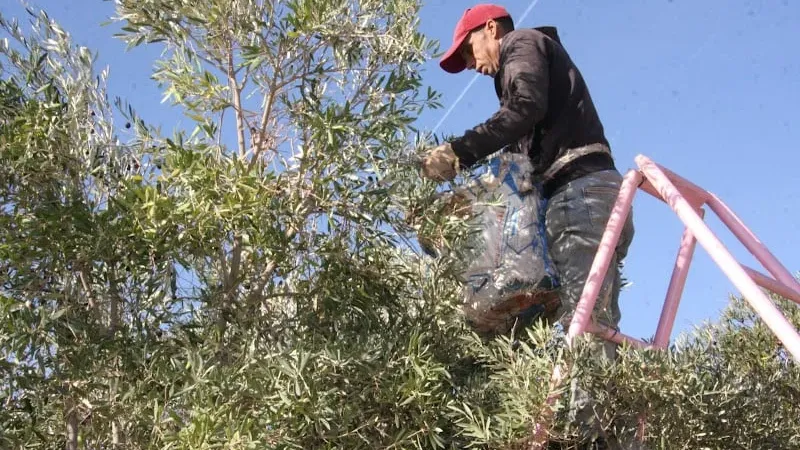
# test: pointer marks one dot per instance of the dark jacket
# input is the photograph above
(545, 108)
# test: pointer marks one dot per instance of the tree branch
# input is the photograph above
(86, 288)
(71, 419)
(236, 91)
(236, 257)
(257, 294)
(113, 306)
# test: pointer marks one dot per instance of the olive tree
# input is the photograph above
(254, 281)
(159, 289)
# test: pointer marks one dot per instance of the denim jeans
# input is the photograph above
(576, 218)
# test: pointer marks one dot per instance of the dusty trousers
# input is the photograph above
(576, 217)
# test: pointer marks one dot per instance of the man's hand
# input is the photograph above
(440, 164)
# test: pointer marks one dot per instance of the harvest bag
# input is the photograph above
(509, 274)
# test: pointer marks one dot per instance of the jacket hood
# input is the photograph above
(550, 32)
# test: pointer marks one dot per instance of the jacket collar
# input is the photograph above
(550, 32)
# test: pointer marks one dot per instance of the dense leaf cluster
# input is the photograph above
(254, 282)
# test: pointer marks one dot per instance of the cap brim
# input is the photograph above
(452, 61)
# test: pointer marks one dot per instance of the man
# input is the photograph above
(545, 111)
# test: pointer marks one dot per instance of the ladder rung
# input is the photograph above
(614, 336)
(773, 284)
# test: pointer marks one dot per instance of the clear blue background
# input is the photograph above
(710, 89)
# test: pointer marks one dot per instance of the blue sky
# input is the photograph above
(709, 89)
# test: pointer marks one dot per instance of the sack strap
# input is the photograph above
(572, 155)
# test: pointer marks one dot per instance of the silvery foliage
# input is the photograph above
(253, 281)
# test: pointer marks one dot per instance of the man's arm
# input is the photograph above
(525, 84)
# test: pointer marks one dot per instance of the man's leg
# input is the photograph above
(577, 215)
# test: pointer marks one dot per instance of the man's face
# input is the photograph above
(481, 49)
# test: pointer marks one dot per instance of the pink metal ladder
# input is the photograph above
(686, 200)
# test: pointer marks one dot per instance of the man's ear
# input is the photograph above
(492, 28)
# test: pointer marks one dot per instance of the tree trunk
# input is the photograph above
(71, 418)
(116, 442)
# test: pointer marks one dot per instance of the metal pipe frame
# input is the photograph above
(686, 199)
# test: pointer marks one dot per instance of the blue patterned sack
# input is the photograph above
(509, 276)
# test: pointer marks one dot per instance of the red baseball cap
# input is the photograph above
(473, 18)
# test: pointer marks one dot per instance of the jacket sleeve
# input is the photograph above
(524, 85)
